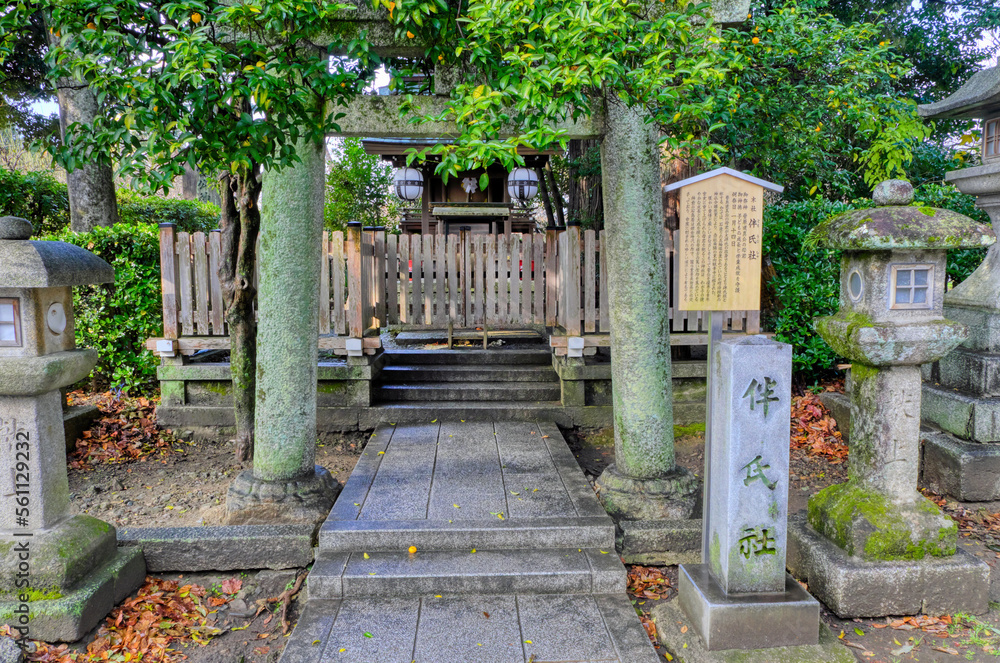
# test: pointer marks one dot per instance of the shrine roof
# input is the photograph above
(978, 98)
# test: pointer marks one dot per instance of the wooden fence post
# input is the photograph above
(551, 276)
(571, 281)
(168, 278)
(355, 282)
(324, 284)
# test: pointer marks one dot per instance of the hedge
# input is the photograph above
(42, 199)
(807, 283)
(116, 318)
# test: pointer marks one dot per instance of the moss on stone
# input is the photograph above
(331, 387)
(691, 429)
(866, 523)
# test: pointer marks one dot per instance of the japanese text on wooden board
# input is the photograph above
(721, 221)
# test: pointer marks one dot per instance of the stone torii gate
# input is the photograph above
(645, 481)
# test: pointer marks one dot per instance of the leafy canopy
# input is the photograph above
(211, 84)
(525, 66)
(811, 103)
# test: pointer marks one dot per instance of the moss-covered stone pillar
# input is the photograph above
(285, 484)
(644, 482)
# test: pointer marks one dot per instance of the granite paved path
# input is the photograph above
(514, 556)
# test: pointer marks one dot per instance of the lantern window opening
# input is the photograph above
(911, 287)
(10, 322)
(991, 139)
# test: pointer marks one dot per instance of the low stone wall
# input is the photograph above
(197, 397)
(586, 382)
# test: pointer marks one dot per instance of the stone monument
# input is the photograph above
(59, 574)
(962, 396)
(875, 546)
(742, 598)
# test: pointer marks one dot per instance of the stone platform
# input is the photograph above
(851, 587)
(514, 561)
(686, 646)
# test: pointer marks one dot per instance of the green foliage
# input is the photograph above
(807, 279)
(43, 200)
(358, 188)
(812, 105)
(116, 318)
(35, 196)
(529, 66)
(215, 86)
(189, 215)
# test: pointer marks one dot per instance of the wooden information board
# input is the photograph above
(720, 239)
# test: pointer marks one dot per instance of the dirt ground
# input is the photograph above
(178, 482)
(184, 487)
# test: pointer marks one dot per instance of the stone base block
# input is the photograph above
(76, 419)
(253, 501)
(746, 621)
(983, 323)
(851, 587)
(60, 557)
(839, 406)
(70, 617)
(676, 496)
(688, 647)
(966, 471)
(225, 548)
(868, 524)
(659, 542)
(971, 372)
(965, 416)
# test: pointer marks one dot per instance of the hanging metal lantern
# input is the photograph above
(522, 184)
(409, 183)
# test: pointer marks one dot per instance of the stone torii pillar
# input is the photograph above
(645, 482)
(285, 484)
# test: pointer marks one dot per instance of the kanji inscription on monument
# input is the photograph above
(748, 503)
(719, 250)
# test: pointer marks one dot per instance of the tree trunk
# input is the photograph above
(91, 186)
(240, 224)
(555, 196)
(543, 188)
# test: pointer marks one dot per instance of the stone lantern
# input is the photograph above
(962, 396)
(59, 574)
(874, 545)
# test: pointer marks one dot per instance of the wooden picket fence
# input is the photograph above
(370, 279)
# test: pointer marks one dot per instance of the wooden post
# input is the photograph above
(324, 285)
(379, 278)
(425, 204)
(551, 276)
(571, 281)
(392, 282)
(355, 284)
(184, 283)
(339, 287)
(465, 315)
(214, 259)
(168, 278)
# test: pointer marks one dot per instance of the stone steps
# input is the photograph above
(509, 392)
(459, 373)
(441, 336)
(432, 573)
(462, 629)
(499, 356)
(464, 535)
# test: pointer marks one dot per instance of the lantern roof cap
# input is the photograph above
(770, 186)
(977, 99)
(28, 263)
(896, 224)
